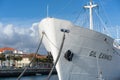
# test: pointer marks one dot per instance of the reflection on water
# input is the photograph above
(38, 77)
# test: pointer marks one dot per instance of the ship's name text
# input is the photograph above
(101, 55)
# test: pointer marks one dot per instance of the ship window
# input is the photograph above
(116, 43)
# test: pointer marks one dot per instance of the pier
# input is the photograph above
(29, 72)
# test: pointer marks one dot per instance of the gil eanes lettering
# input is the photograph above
(101, 55)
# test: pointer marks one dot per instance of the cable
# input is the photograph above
(59, 53)
(51, 42)
(31, 59)
(102, 6)
(60, 10)
(105, 14)
(115, 51)
(78, 16)
(102, 21)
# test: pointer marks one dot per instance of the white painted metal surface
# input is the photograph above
(94, 53)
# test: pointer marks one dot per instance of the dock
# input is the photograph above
(29, 72)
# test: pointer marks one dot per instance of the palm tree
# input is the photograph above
(8, 58)
(2, 58)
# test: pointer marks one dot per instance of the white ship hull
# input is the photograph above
(94, 55)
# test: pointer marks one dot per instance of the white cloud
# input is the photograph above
(9, 30)
(22, 38)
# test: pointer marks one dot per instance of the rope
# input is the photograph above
(57, 57)
(31, 59)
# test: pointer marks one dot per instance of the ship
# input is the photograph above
(80, 53)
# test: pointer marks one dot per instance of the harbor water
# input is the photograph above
(37, 77)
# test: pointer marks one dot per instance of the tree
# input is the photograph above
(49, 58)
(9, 58)
(33, 58)
(17, 58)
(2, 58)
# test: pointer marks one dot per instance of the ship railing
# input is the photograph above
(116, 43)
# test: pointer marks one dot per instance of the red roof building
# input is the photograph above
(6, 49)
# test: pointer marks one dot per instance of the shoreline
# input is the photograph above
(29, 72)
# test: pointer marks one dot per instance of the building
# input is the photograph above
(15, 58)
(26, 59)
(6, 50)
(9, 53)
(24, 62)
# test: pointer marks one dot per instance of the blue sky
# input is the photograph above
(36, 9)
(19, 18)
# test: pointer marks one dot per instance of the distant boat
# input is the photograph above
(86, 54)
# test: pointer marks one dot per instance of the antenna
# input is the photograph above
(47, 10)
(90, 6)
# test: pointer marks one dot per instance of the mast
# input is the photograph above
(90, 7)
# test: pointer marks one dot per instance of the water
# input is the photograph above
(38, 77)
